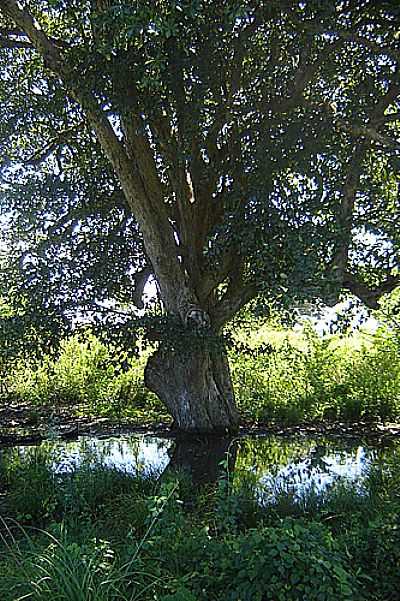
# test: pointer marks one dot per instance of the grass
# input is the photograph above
(279, 375)
(101, 534)
(313, 378)
(88, 377)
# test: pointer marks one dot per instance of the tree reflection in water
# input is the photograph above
(204, 459)
(269, 461)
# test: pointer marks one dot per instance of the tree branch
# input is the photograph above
(345, 215)
(61, 138)
(360, 131)
(375, 47)
(151, 214)
(6, 42)
(346, 210)
(390, 118)
(10, 42)
(387, 100)
(236, 296)
(369, 296)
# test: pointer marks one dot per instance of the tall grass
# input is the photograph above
(316, 378)
(85, 373)
(282, 375)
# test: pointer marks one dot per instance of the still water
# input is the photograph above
(274, 464)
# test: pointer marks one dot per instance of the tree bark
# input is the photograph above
(196, 387)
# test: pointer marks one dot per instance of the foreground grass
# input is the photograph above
(98, 534)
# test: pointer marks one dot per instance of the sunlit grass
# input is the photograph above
(279, 375)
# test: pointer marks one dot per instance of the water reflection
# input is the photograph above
(298, 465)
(317, 473)
(291, 465)
(204, 459)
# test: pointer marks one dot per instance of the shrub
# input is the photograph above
(357, 377)
(290, 562)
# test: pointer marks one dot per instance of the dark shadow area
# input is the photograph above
(204, 459)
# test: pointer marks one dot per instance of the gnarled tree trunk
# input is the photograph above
(196, 387)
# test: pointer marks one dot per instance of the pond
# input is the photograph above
(273, 464)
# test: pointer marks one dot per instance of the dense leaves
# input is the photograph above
(271, 127)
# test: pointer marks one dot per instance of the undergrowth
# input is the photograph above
(281, 376)
(96, 533)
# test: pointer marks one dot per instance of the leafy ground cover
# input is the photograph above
(96, 533)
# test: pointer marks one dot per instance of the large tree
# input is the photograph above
(231, 150)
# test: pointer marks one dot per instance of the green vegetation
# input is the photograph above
(230, 153)
(281, 375)
(86, 376)
(96, 533)
(308, 377)
(234, 156)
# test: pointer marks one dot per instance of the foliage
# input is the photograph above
(263, 136)
(281, 375)
(316, 377)
(85, 372)
(67, 571)
(113, 535)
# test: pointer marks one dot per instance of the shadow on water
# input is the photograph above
(204, 459)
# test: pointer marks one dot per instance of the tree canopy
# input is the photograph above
(234, 150)
(263, 135)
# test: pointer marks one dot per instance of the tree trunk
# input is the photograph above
(196, 388)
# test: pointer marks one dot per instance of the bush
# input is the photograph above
(289, 562)
(87, 373)
(319, 378)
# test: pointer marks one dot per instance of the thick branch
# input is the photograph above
(369, 296)
(351, 185)
(303, 75)
(237, 295)
(230, 305)
(177, 173)
(150, 213)
(345, 215)
(15, 40)
(140, 152)
(229, 265)
(376, 119)
(360, 131)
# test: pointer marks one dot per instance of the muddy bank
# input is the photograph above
(24, 424)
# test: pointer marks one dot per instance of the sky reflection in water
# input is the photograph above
(288, 465)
